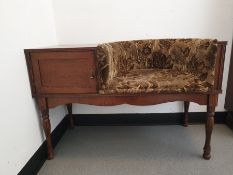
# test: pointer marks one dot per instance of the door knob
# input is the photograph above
(92, 75)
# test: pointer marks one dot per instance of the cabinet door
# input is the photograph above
(64, 72)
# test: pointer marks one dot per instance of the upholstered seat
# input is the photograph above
(156, 80)
(166, 65)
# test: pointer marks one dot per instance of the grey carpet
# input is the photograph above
(139, 150)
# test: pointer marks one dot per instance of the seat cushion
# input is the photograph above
(156, 80)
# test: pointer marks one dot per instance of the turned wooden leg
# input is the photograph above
(186, 109)
(208, 130)
(46, 125)
(69, 109)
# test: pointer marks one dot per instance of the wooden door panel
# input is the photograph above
(64, 72)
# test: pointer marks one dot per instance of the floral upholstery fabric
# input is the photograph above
(164, 65)
(152, 80)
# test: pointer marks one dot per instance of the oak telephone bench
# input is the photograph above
(139, 72)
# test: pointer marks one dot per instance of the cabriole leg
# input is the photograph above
(208, 130)
(186, 109)
(46, 125)
(70, 115)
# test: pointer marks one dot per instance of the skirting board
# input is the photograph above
(144, 119)
(229, 119)
(37, 160)
(33, 166)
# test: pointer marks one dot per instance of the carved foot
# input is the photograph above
(185, 124)
(208, 129)
(50, 156)
(206, 155)
(207, 150)
(186, 108)
(70, 115)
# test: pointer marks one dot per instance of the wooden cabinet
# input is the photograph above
(66, 71)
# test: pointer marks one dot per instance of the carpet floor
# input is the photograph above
(141, 150)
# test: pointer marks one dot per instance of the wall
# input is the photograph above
(109, 20)
(24, 24)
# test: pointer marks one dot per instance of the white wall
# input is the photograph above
(109, 20)
(23, 24)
